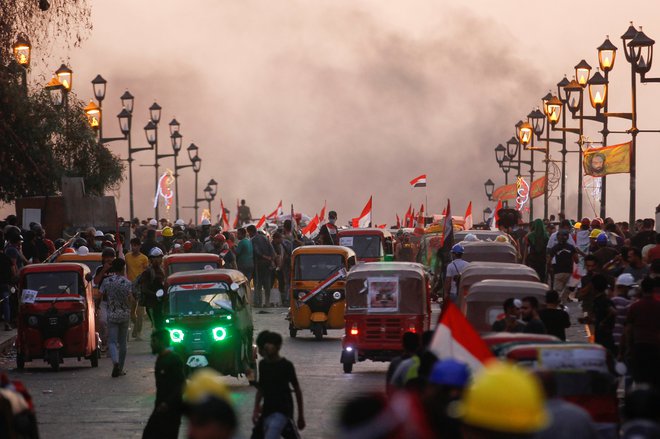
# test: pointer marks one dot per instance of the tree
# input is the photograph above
(40, 144)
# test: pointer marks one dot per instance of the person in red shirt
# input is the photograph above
(642, 335)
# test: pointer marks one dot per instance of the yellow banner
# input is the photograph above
(613, 159)
(538, 187)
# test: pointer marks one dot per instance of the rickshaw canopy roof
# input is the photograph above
(324, 249)
(517, 337)
(483, 235)
(73, 257)
(198, 276)
(562, 356)
(479, 270)
(489, 251)
(498, 290)
(365, 231)
(59, 267)
(191, 257)
(368, 269)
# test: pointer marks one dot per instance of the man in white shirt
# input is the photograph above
(454, 271)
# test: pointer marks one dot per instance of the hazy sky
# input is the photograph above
(310, 100)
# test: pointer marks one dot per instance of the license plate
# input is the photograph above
(197, 361)
(52, 320)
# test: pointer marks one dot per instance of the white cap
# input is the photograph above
(155, 252)
(99, 234)
(179, 222)
(517, 303)
(153, 222)
(83, 250)
(625, 279)
(177, 245)
(206, 222)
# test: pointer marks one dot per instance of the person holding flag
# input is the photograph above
(328, 235)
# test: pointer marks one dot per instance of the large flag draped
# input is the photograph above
(454, 337)
(364, 220)
(262, 222)
(418, 181)
(613, 159)
(468, 217)
(276, 213)
(311, 227)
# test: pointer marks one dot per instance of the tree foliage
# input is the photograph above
(40, 143)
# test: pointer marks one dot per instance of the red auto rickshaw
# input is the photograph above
(370, 244)
(55, 315)
(383, 300)
(190, 261)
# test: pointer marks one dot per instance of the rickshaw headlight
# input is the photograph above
(74, 319)
(301, 294)
(176, 335)
(33, 321)
(336, 295)
(219, 333)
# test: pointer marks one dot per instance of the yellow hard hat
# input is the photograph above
(167, 232)
(594, 233)
(501, 238)
(577, 225)
(204, 384)
(505, 398)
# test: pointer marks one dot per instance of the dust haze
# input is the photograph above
(313, 101)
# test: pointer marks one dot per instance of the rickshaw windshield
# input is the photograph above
(364, 246)
(386, 293)
(317, 266)
(60, 282)
(200, 301)
(93, 265)
(177, 267)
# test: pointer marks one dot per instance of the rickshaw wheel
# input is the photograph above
(20, 361)
(292, 331)
(95, 358)
(318, 332)
(54, 360)
(348, 367)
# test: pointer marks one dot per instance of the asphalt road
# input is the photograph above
(79, 401)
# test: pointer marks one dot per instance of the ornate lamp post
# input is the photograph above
(489, 186)
(22, 54)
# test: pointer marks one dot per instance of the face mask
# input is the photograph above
(332, 220)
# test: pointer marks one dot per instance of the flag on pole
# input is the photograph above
(447, 228)
(276, 213)
(364, 220)
(311, 227)
(262, 222)
(407, 216)
(236, 219)
(224, 217)
(495, 216)
(412, 218)
(322, 214)
(454, 337)
(468, 217)
(419, 181)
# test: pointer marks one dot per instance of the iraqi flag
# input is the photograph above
(454, 337)
(236, 219)
(419, 181)
(447, 228)
(310, 228)
(407, 219)
(468, 217)
(262, 222)
(364, 220)
(496, 216)
(322, 214)
(225, 216)
(276, 213)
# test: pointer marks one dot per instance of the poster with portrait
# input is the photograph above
(383, 294)
(607, 160)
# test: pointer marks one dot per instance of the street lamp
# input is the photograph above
(506, 167)
(99, 85)
(512, 147)
(193, 152)
(487, 213)
(56, 90)
(65, 76)
(22, 51)
(150, 133)
(489, 186)
(553, 110)
(93, 113)
(125, 119)
(127, 101)
(641, 51)
(573, 92)
(214, 186)
(174, 126)
(606, 55)
(582, 73)
(525, 133)
(597, 91)
(499, 154)
(154, 113)
(538, 121)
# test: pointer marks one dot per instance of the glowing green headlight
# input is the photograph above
(219, 333)
(176, 335)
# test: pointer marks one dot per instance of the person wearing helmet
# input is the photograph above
(503, 400)
(445, 385)
(82, 250)
(165, 420)
(454, 270)
(207, 405)
(151, 282)
(153, 224)
(168, 235)
(97, 243)
(604, 253)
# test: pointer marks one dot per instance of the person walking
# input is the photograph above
(136, 264)
(165, 420)
(151, 282)
(277, 376)
(244, 254)
(555, 319)
(534, 248)
(564, 256)
(263, 261)
(454, 270)
(7, 276)
(118, 292)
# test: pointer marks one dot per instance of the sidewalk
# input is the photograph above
(7, 340)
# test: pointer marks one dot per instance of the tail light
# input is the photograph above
(354, 329)
(411, 328)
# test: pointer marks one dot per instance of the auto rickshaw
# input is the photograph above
(317, 288)
(54, 315)
(190, 261)
(478, 271)
(584, 374)
(209, 319)
(483, 304)
(93, 260)
(369, 244)
(499, 342)
(482, 235)
(486, 251)
(383, 300)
